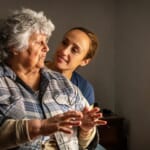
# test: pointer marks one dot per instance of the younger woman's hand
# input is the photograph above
(91, 118)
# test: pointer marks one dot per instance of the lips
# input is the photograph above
(61, 59)
(43, 57)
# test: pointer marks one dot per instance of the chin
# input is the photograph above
(59, 66)
(40, 65)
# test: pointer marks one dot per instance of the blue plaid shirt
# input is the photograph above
(56, 95)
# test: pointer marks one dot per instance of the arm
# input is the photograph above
(13, 132)
(91, 119)
(85, 138)
(16, 132)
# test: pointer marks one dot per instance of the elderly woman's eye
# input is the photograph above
(39, 42)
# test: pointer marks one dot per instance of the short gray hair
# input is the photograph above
(16, 29)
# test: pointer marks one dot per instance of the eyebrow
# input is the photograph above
(78, 46)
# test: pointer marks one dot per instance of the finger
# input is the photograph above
(67, 127)
(100, 122)
(72, 114)
(95, 110)
(66, 130)
(70, 123)
(86, 109)
(96, 115)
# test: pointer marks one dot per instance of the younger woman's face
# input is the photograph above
(72, 50)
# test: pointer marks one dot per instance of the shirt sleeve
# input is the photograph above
(85, 87)
(84, 141)
(13, 133)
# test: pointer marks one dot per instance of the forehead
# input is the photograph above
(38, 36)
(78, 38)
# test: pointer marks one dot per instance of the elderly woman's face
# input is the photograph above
(35, 55)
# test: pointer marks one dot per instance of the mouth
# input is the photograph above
(42, 58)
(61, 59)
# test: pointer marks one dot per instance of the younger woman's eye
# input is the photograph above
(75, 50)
(64, 42)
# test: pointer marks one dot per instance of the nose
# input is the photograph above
(45, 47)
(65, 50)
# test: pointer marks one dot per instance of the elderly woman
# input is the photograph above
(39, 108)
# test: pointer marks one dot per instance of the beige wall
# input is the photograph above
(132, 61)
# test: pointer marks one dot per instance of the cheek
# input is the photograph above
(60, 49)
(36, 53)
(78, 62)
(74, 61)
(34, 57)
(58, 52)
(33, 51)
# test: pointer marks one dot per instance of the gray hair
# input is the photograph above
(16, 29)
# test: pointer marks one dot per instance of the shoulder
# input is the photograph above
(5, 71)
(60, 85)
(51, 74)
(85, 86)
(1, 71)
(80, 81)
(57, 80)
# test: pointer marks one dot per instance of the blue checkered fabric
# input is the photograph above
(56, 95)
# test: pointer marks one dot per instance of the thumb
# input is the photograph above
(86, 109)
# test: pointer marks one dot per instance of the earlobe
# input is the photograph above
(13, 51)
(85, 62)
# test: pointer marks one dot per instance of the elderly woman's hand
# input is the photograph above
(61, 122)
(91, 118)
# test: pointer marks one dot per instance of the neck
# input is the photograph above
(67, 74)
(30, 76)
(20, 68)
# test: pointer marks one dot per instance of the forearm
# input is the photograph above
(13, 133)
(85, 137)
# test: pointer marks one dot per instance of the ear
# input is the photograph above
(85, 62)
(13, 51)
